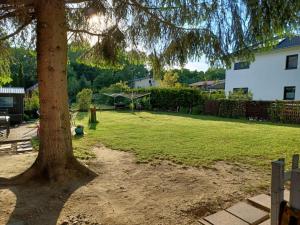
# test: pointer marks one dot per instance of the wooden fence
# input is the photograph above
(279, 178)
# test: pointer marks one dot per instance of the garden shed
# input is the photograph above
(12, 102)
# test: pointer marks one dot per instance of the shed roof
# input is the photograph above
(12, 90)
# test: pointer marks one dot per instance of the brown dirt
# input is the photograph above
(127, 193)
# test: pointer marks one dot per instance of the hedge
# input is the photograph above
(195, 101)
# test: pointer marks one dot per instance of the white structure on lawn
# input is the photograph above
(274, 75)
(145, 82)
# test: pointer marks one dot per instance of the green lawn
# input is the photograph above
(192, 140)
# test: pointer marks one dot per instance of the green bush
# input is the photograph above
(84, 99)
(32, 102)
(240, 95)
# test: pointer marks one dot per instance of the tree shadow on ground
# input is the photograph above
(38, 203)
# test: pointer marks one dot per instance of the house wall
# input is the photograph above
(267, 76)
(144, 83)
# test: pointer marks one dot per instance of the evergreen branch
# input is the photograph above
(16, 31)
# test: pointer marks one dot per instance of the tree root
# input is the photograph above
(72, 170)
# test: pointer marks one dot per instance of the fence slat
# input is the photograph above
(277, 189)
(295, 189)
(295, 163)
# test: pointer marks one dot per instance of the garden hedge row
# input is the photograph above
(187, 100)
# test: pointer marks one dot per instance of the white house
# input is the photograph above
(274, 75)
(145, 82)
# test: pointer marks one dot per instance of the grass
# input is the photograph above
(191, 140)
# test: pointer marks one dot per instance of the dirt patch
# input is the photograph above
(127, 193)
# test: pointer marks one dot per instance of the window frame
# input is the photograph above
(243, 65)
(244, 89)
(12, 101)
(285, 92)
(287, 62)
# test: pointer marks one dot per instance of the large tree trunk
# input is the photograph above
(55, 161)
(55, 134)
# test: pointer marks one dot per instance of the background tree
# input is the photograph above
(170, 79)
(173, 30)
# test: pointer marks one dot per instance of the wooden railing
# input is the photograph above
(279, 177)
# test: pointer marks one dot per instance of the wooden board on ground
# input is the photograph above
(20, 150)
(248, 213)
(5, 147)
(224, 218)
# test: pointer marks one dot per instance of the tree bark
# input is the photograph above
(55, 161)
(55, 135)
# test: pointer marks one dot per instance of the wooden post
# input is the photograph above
(295, 163)
(277, 190)
(295, 184)
(93, 115)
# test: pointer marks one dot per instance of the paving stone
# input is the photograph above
(262, 201)
(203, 222)
(267, 222)
(248, 213)
(224, 218)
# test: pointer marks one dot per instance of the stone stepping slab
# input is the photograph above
(263, 201)
(267, 222)
(20, 150)
(224, 218)
(248, 213)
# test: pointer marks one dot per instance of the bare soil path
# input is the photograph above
(127, 193)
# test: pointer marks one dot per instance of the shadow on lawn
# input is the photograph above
(214, 118)
(41, 203)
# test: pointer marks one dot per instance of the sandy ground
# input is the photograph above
(127, 193)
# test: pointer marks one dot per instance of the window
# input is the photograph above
(291, 62)
(289, 93)
(241, 65)
(6, 102)
(243, 90)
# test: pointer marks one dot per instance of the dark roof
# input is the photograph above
(289, 42)
(12, 90)
(206, 83)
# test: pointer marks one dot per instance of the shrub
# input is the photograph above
(32, 102)
(240, 95)
(84, 99)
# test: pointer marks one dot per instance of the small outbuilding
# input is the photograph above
(12, 102)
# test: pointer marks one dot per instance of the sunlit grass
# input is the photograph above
(192, 140)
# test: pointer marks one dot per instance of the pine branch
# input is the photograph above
(16, 31)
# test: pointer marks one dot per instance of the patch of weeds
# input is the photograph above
(35, 142)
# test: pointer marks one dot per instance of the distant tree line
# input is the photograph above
(81, 75)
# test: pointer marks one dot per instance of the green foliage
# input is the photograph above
(174, 98)
(118, 87)
(84, 99)
(240, 95)
(23, 67)
(32, 102)
(232, 109)
(170, 79)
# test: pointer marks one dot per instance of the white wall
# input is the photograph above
(143, 83)
(267, 76)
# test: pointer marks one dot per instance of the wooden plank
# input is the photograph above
(248, 213)
(224, 218)
(203, 222)
(267, 222)
(277, 189)
(295, 190)
(261, 201)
